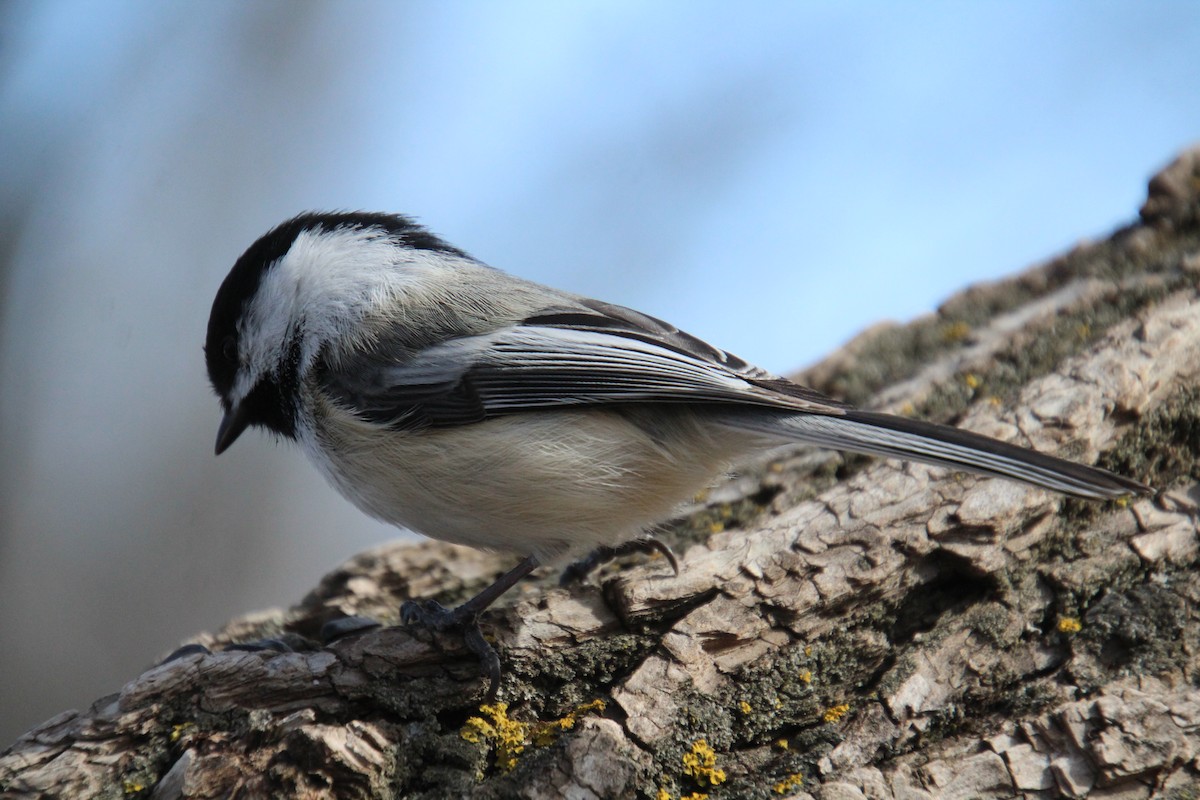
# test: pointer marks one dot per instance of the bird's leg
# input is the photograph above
(434, 616)
(578, 570)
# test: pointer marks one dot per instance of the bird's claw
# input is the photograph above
(341, 627)
(432, 615)
(284, 643)
(577, 571)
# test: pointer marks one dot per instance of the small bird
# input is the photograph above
(445, 396)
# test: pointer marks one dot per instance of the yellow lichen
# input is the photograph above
(1069, 625)
(837, 712)
(547, 732)
(972, 380)
(132, 787)
(745, 707)
(955, 332)
(509, 737)
(701, 764)
(805, 675)
(663, 794)
(178, 730)
(793, 781)
(782, 744)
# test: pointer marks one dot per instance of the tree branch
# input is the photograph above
(840, 628)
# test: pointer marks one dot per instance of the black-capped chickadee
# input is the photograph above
(442, 395)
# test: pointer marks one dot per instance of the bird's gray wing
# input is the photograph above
(585, 353)
(592, 353)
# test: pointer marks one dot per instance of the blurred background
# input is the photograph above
(771, 178)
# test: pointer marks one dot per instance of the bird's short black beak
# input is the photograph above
(235, 421)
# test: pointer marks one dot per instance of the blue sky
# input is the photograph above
(772, 177)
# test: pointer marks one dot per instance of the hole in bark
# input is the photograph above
(764, 496)
(952, 583)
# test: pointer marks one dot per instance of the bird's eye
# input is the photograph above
(229, 349)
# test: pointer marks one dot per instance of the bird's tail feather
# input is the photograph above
(899, 437)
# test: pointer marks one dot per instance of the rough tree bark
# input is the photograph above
(841, 628)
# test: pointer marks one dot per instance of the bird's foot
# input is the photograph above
(579, 570)
(429, 614)
(434, 616)
(286, 642)
(342, 627)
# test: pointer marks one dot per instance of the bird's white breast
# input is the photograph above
(551, 483)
